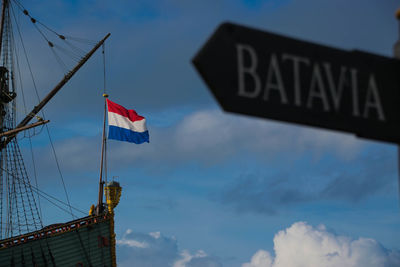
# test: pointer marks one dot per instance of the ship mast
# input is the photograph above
(99, 209)
(3, 12)
(18, 204)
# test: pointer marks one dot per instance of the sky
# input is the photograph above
(212, 188)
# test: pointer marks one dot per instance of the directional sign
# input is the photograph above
(267, 75)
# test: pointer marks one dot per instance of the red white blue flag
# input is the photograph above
(126, 125)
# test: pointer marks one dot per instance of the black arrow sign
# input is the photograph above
(267, 75)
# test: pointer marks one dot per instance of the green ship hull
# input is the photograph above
(87, 241)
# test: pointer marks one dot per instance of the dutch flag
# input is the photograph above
(126, 125)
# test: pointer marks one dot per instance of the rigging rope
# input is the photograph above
(24, 190)
(36, 91)
(20, 196)
(24, 104)
(29, 67)
(20, 193)
(27, 193)
(44, 194)
(59, 171)
(74, 52)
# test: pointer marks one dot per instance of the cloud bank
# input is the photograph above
(156, 250)
(300, 245)
(368, 175)
(303, 245)
(209, 136)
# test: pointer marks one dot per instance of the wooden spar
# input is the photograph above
(57, 88)
(17, 130)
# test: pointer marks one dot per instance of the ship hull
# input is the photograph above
(84, 242)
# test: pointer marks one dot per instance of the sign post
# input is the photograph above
(267, 75)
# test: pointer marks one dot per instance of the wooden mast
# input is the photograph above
(103, 141)
(3, 12)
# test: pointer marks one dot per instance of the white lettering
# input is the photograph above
(317, 83)
(296, 72)
(354, 87)
(250, 70)
(336, 92)
(372, 100)
(273, 71)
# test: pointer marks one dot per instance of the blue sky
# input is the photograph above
(212, 189)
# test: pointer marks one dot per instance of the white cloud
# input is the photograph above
(133, 243)
(222, 134)
(186, 257)
(300, 245)
(261, 258)
(156, 235)
(146, 250)
(198, 259)
(209, 137)
(212, 135)
(304, 245)
(157, 250)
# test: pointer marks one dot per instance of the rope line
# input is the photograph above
(23, 205)
(45, 195)
(75, 53)
(59, 171)
(42, 112)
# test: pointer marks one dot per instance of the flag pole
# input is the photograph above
(101, 183)
(396, 52)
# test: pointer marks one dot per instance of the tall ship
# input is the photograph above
(24, 239)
